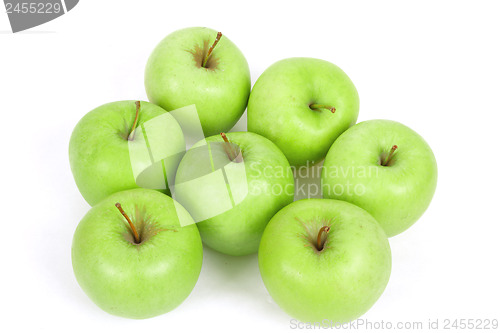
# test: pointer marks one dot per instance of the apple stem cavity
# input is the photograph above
(389, 156)
(132, 132)
(325, 229)
(137, 239)
(209, 53)
(317, 107)
(230, 152)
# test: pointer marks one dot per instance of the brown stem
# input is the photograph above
(390, 155)
(315, 106)
(132, 132)
(209, 53)
(324, 229)
(230, 152)
(134, 231)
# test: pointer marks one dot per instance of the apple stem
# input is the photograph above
(324, 229)
(230, 152)
(209, 53)
(134, 230)
(315, 106)
(132, 132)
(390, 155)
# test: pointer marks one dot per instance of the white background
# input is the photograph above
(434, 66)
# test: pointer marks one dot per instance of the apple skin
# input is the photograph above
(339, 283)
(99, 152)
(269, 184)
(130, 280)
(174, 77)
(397, 194)
(278, 107)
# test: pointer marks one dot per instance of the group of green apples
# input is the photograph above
(138, 253)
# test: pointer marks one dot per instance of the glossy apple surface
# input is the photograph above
(175, 77)
(396, 194)
(102, 158)
(285, 107)
(337, 281)
(130, 279)
(233, 201)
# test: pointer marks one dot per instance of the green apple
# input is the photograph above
(200, 66)
(323, 259)
(137, 254)
(233, 188)
(385, 168)
(302, 105)
(124, 145)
